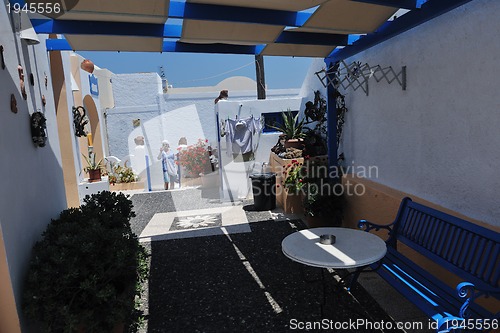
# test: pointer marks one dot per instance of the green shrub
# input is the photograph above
(87, 269)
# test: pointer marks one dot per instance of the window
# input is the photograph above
(274, 119)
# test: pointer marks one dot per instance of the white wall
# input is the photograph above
(32, 188)
(182, 112)
(439, 139)
(235, 177)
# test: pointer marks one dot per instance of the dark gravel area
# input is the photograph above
(204, 285)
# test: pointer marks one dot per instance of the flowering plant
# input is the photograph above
(121, 174)
(195, 158)
(295, 176)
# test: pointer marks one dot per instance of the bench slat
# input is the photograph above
(423, 230)
(408, 280)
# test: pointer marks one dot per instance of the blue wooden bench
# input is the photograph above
(467, 250)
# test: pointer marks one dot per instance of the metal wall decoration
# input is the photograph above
(20, 70)
(357, 74)
(38, 129)
(13, 103)
(80, 120)
(2, 60)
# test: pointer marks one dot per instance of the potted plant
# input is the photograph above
(121, 174)
(86, 272)
(322, 206)
(315, 114)
(93, 168)
(291, 128)
(196, 159)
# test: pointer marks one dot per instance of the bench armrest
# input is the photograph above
(369, 226)
(469, 292)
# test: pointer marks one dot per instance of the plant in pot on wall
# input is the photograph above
(315, 114)
(93, 168)
(86, 273)
(292, 130)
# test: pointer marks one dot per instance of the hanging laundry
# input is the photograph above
(239, 135)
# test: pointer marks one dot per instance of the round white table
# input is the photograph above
(352, 248)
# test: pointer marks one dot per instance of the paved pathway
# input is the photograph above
(235, 281)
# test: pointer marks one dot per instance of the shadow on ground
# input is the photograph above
(243, 283)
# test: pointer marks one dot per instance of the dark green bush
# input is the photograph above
(87, 269)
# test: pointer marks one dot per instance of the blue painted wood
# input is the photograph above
(405, 4)
(198, 11)
(63, 45)
(465, 249)
(308, 38)
(70, 27)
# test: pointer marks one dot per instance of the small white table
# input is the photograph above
(352, 248)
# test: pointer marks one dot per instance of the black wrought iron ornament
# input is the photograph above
(38, 129)
(80, 120)
(2, 60)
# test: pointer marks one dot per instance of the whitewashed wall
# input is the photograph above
(32, 188)
(439, 139)
(235, 175)
(183, 113)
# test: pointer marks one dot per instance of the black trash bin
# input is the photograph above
(264, 191)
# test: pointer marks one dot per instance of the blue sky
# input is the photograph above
(193, 70)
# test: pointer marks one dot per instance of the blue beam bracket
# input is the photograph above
(356, 75)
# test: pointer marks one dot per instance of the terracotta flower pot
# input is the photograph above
(294, 143)
(87, 66)
(94, 176)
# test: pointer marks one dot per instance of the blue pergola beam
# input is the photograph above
(211, 48)
(168, 46)
(429, 10)
(405, 4)
(67, 27)
(197, 11)
(106, 28)
(309, 38)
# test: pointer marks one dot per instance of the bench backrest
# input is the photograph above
(466, 249)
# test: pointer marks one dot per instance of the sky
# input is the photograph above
(194, 70)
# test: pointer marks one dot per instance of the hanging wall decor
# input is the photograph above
(44, 100)
(32, 79)
(80, 120)
(356, 75)
(13, 103)
(38, 129)
(46, 80)
(20, 70)
(2, 60)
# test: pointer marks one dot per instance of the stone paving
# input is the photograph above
(233, 277)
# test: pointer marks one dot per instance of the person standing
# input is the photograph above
(169, 167)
